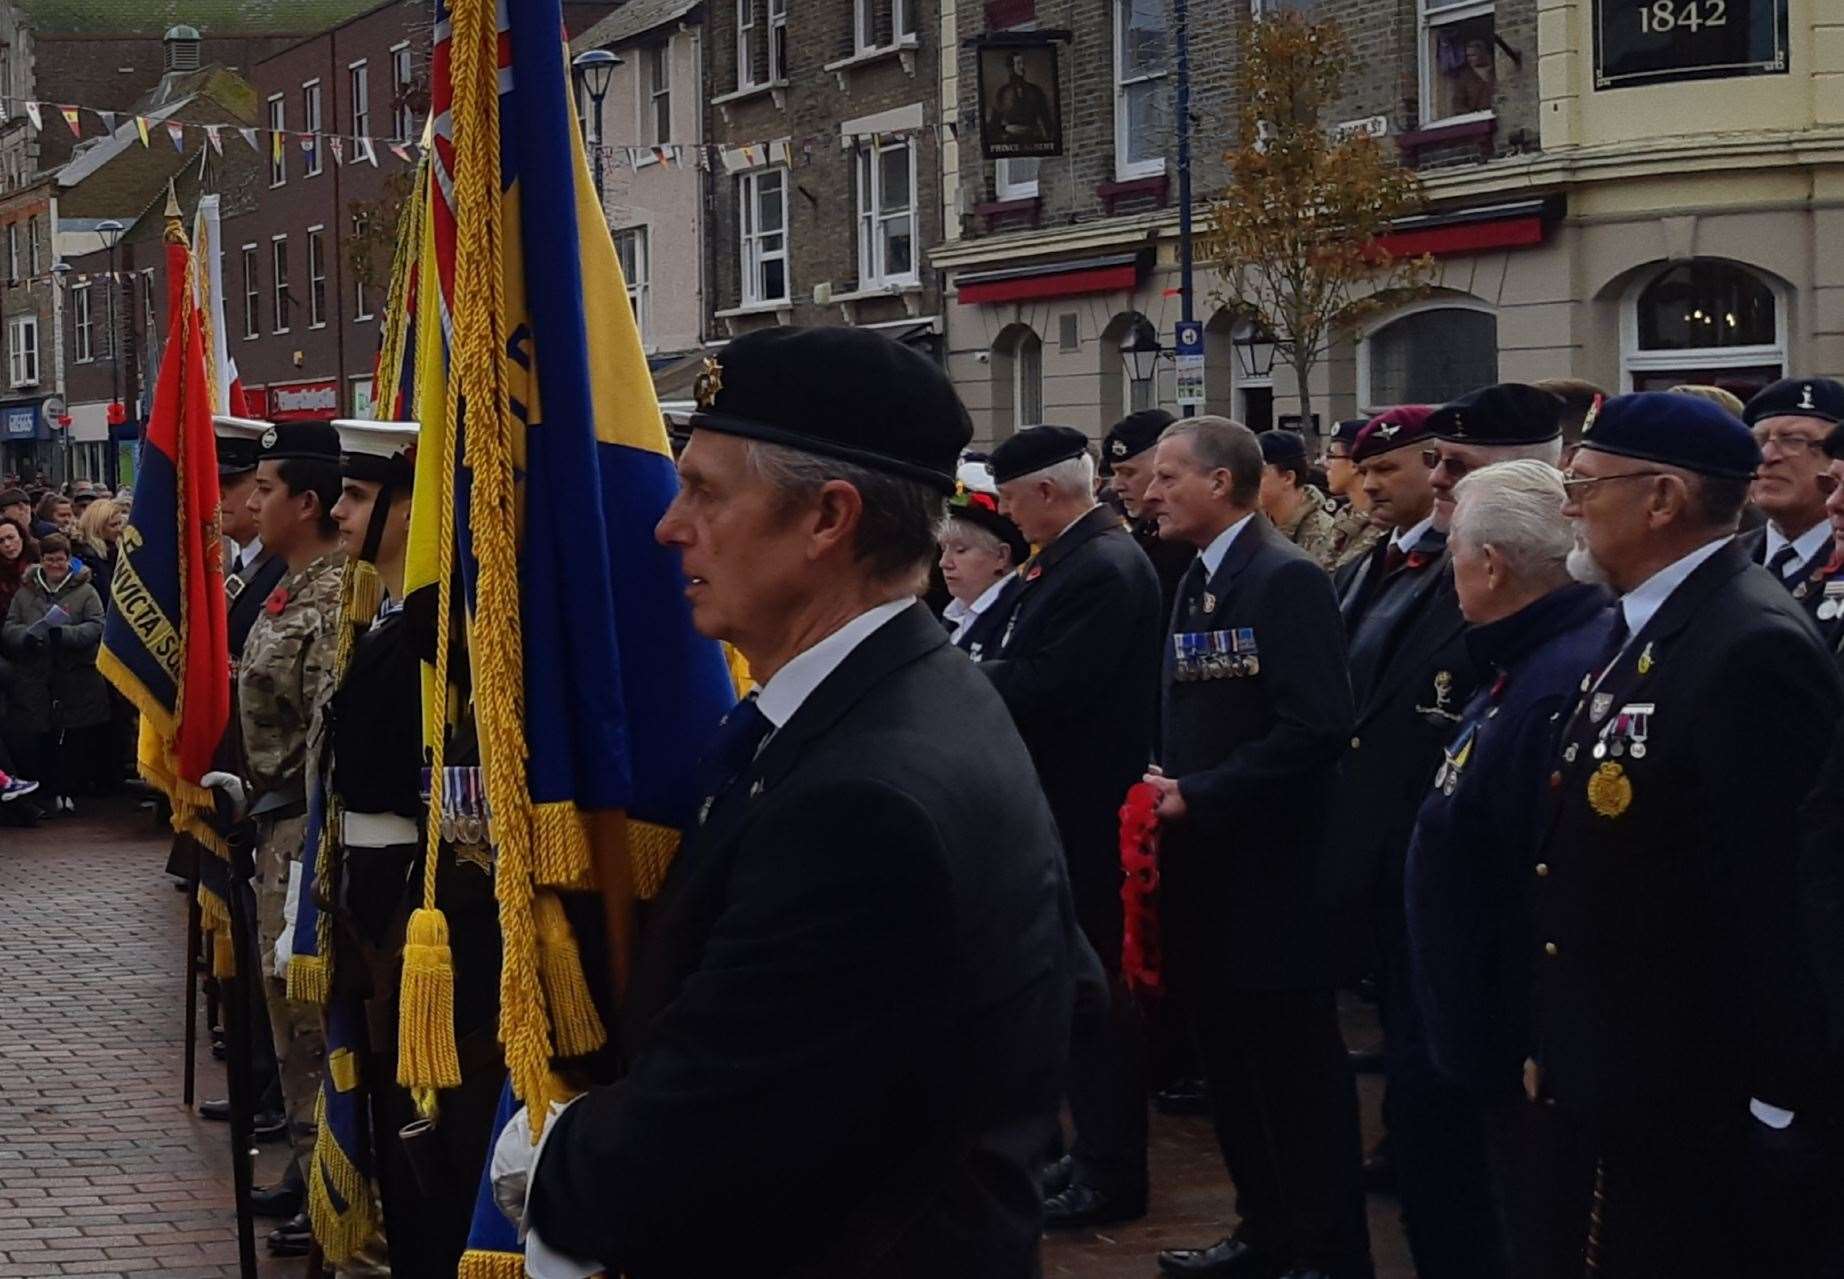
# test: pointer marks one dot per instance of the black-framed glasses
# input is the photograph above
(1572, 485)
(1432, 459)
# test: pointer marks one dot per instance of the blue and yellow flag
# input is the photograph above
(542, 469)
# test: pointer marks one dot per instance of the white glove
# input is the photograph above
(285, 943)
(514, 1157)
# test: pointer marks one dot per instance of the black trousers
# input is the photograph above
(1285, 1109)
(1107, 1084)
(1542, 1181)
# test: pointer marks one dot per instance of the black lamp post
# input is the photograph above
(596, 67)
(111, 232)
(1255, 351)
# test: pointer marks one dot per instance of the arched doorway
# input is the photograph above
(1704, 321)
(1428, 354)
(1017, 380)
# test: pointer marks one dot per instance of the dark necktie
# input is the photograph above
(1783, 560)
(1616, 642)
(1191, 589)
(733, 746)
(1394, 558)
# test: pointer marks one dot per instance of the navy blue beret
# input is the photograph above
(1132, 436)
(1034, 448)
(1506, 414)
(1678, 430)
(840, 392)
(1282, 448)
(1818, 397)
(1345, 432)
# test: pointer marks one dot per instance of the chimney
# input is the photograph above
(182, 49)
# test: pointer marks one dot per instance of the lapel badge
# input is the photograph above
(1598, 708)
(709, 382)
(1210, 602)
(1610, 791)
(1443, 697)
(704, 809)
(1645, 662)
(755, 789)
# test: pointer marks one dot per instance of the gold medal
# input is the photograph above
(1610, 791)
(1645, 660)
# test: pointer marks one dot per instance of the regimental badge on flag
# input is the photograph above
(71, 118)
(140, 127)
(177, 132)
(32, 114)
(214, 135)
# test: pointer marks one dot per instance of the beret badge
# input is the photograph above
(1594, 411)
(710, 381)
(269, 438)
(1118, 448)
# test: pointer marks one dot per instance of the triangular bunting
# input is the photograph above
(401, 152)
(249, 136)
(71, 118)
(38, 121)
(177, 132)
(336, 145)
(108, 119)
(663, 155)
(140, 127)
(363, 150)
(213, 136)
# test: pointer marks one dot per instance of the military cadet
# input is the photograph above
(251, 570)
(1126, 459)
(1354, 533)
(1676, 1013)
(1296, 507)
(1469, 857)
(285, 673)
(1791, 421)
(368, 739)
(850, 1010)
(1077, 662)
(1256, 710)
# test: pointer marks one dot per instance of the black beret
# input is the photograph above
(15, 497)
(1132, 436)
(1678, 430)
(1506, 414)
(1345, 432)
(982, 511)
(845, 393)
(1392, 429)
(1818, 397)
(1034, 448)
(1282, 448)
(302, 441)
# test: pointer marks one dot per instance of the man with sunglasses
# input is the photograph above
(1676, 1015)
(1791, 420)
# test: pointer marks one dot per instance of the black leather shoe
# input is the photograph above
(1185, 1097)
(280, 1201)
(1366, 1061)
(218, 1111)
(293, 1238)
(1054, 1177)
(1224, 1259)
(1077, 1205)
(269, 1125)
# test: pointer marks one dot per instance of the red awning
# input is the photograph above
(1466, 237)
(1054, 280)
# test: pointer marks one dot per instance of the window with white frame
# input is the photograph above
(85, 344)
(105, 320)
(22, 350)
(252, 294)
(1141, 57)
(278, 153)
(869, 17)
(1706, 321)
(278, 263)
(631, 248)
(762, 200)
(1459, 59)
(358, 82)
(361, 302)
(746, 44)
(886, 214)
(1027, 380)
(403, 119)
(659, 91)
(310, 121)
(1267, 8)
(316, 277)
(777, 40)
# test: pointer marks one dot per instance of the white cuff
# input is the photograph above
(1772, 1116)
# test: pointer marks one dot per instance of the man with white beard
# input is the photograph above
(1676, 1016)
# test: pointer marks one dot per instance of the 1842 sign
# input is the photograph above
(1655, 41)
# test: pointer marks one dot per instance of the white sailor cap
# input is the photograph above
(381, 452)
(239, 442)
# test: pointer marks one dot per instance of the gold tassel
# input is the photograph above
(340, 1234)
(426, 1055)
(364, 592)
(651, 848)
(560, 847)
(575, 1025)
(223, 954)
(477, 1263)
(309, 979)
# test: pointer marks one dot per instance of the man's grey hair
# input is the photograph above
(1515, 508)
(1072, 477)
(1548, 451)
(1220, 444)
(903, 519)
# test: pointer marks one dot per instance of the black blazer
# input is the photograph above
(1078, 664)
(1251, 751)
(851, 1009)
(1669, 969)
(1807, 584)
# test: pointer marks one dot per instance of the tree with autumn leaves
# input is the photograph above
(1296, 236)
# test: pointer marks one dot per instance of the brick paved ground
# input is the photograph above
(103, 1172)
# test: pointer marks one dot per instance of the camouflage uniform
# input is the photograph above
(1311, 528)
(1353, 535)
(285, 673)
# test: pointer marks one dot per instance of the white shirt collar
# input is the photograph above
(794, 683)
(1407, 539)
(962, 615)
(1805, 546)
(1639, 604)
(250, 551)
(1213, 554)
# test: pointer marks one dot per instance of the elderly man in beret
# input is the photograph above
(848, 1022)
(1676, 1014)
(1791, 420)
(1127, 462)
(1077, 663)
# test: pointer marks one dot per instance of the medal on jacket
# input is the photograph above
(1831, 607)
(1610, 791)
(1448, 779)
(1443, 698)
(1645, 659)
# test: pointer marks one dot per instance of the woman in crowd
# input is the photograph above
(99, 535)
(17, 552)
(99, 546)
(53, 514)
(979, 551)
(59, 701)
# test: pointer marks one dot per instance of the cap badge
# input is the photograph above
(1118, 448)
(1594, 411)
(1388, 430)
(1805, 397)
(710, 382)
(1459, 425)
(270, 437)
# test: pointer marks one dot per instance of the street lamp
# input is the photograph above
(595, 68)
(111, 232)
(1255, 349)
(60, 281)
(1140, 349)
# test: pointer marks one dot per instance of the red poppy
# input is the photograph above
(984, 501)
(1416, 560)
(277, 601)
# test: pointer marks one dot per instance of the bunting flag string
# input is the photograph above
(215, 137)
(140, 127)
(177, 132)
(32, 114)
(70, 118)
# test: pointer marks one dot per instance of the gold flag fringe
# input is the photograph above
(340, 1234)
(477, 1263)
(574, 1020)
